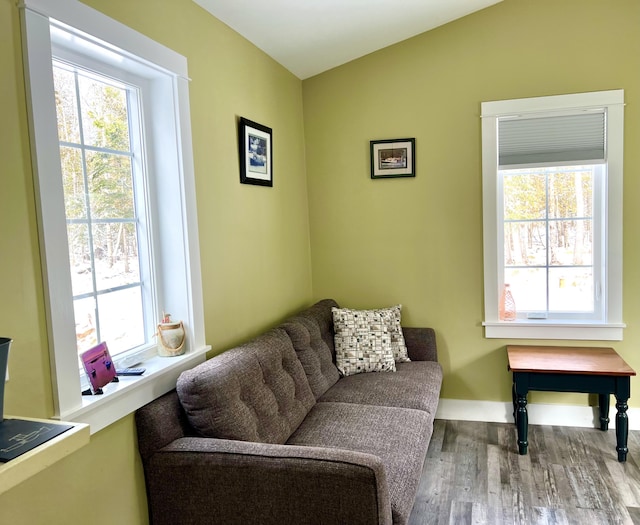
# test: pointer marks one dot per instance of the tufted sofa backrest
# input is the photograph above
(255, 392)
(311, 332)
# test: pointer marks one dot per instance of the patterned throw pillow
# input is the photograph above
(362, 342)
(398, 346)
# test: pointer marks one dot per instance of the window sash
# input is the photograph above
(135, 88)
(598, 259)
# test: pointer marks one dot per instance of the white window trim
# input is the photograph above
(612, 327)
(183, 266)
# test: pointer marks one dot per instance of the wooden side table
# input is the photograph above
(571, 369)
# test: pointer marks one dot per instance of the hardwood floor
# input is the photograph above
(473, 474)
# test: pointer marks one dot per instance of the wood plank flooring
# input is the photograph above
(473, 474)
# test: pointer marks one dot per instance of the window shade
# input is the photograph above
(568, 138)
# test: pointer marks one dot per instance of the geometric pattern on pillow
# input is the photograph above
(362, 341)
(392, 318)
(398, 346)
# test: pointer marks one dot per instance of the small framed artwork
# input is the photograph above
(256, 153)
(393, 158)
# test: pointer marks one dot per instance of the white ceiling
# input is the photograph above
(311, 36)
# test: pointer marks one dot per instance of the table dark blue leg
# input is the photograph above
(515, 404)
(522, 423)
(622, 428)
(603, 401)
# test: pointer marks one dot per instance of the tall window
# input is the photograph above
(113, 170)
(552, 179)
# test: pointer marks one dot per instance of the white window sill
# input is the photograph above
(132, 392)
(545, 329)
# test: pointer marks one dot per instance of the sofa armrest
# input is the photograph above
(210, 481)
(161, 422)
(421, 343)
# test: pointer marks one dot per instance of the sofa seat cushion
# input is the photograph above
(255, 392)
(398, 436)
(413, 385)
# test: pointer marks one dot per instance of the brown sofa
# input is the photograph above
(269, 433)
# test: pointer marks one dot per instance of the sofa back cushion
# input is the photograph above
(320, 313)
(255, 392)
(311, 332)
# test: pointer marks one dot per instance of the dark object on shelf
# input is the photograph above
(18, 436)
(131, 371)
(5, 344)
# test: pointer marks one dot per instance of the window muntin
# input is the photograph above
(97, 120)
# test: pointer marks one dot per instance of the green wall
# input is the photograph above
(254, 241)
(419, 241)
(370, 243)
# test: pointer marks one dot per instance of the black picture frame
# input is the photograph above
(256, 153)
(393, 158)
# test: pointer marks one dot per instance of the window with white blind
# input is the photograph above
(552, 198)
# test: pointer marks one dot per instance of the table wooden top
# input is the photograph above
(567, 360)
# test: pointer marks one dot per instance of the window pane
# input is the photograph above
(80, 259)
(105, 123)
(570, 243)
(86, 330)
(115, 254)
(121, 320)
(66, 105)
(571, 194)
(561, 199)
(110, 186)
(571, 289)
(73, 183)
(528, 287)
(524, 196)
(525, 244)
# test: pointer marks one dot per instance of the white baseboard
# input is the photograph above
(539, 414)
